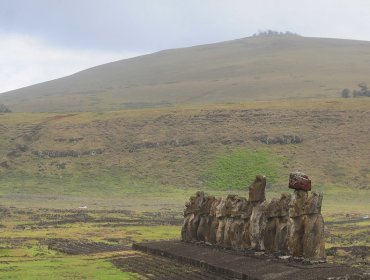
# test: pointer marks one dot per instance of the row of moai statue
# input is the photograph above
(289, 225)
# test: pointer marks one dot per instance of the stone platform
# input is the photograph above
(244, 265)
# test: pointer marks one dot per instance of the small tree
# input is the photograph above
(272, 33)
(4, 109)
(363, 91)
(345, 93)
(362, 86)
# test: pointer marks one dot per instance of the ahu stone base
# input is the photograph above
(246, 264)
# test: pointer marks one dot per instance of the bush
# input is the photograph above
(346, 93)
(4, 109)
(361, 92)
(270, 33)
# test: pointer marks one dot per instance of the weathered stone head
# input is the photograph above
(213, 208)
(284, 203)
(279, 207)
(194, 203)
(199, 199)
(257, 189)
(238, 205)
(205, 207)
(245, 208)
(298, 203)
(189, 206)
(230, 203)
(221, 208)
(313, 203)
(299, 181)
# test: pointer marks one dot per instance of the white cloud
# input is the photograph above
(26, 60)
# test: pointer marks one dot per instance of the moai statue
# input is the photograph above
(306, 237)
(214, 221)
(188, 213)
(237, 225)
(247, 209)
(257, 190)
(277, 227)
(221, 217)
(230, 205)
(258, 219)
(192, 217)
(205, 220)
(314, 239)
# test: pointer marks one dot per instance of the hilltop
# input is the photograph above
(238, 71)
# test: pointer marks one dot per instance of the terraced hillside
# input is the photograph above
(216, 147)
(253, 68)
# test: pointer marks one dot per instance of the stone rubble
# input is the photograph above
(291, 225)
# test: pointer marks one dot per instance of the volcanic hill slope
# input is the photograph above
(218, 147)
(253, 68)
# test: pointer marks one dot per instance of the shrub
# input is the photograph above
(4, 109)
(346, 93)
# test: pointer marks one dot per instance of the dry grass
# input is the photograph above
(178, 146)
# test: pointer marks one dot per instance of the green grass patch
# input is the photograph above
(236, 169)
(342, 199)
(142, 233)
(66, 267)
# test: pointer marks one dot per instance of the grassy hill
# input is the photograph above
(249, 69)
(214, 147)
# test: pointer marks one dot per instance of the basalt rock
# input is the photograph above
(69, 153)
(282, 139)
(5, 164)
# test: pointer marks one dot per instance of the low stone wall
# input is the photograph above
(289, 225)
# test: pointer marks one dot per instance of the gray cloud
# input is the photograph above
(113, 27)
(144, 25)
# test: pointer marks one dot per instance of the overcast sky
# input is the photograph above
(46, 39)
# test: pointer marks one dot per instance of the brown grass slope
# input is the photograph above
(176, 146)
(253, 68)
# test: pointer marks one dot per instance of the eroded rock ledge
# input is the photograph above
(69, 153)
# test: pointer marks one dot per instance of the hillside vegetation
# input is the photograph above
(249, 69)
(217, 147)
